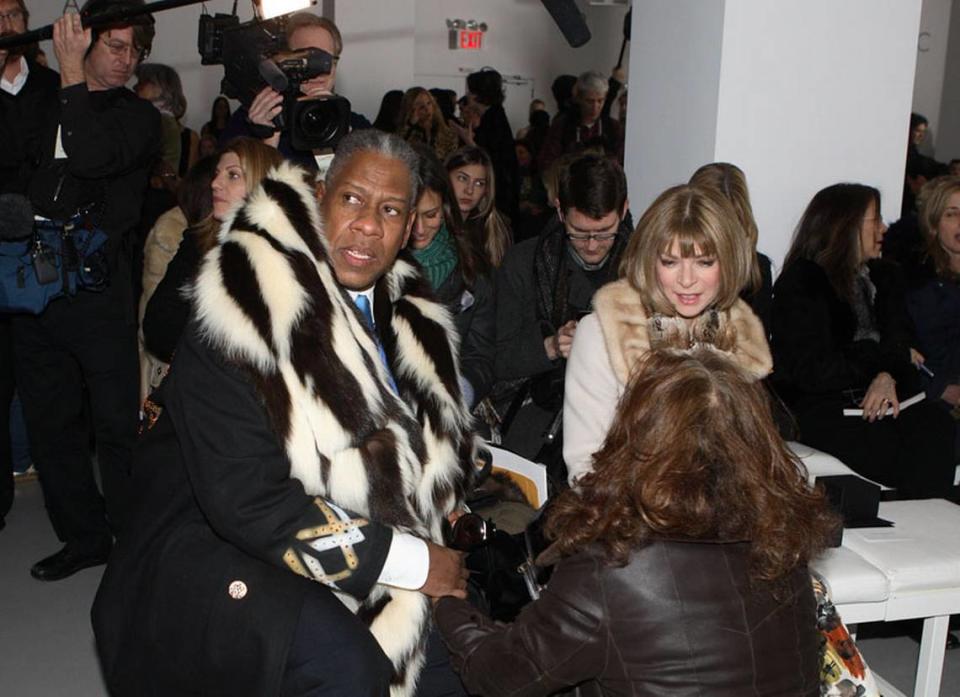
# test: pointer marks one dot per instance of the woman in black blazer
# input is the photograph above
(842, 339)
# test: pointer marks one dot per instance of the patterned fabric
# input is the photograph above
(843, 671)
(267, 299)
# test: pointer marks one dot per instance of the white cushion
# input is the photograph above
(921, 553)
(849, 578)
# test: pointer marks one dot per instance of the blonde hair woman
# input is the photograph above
(421, 121)
(679, 287)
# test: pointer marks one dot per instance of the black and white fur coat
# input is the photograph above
(268, 300)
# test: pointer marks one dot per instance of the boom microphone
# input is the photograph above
(570, 20)
(113, 17)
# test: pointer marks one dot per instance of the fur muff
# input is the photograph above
(629, 333)
(268, 300)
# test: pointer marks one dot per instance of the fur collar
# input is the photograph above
(267, 298)
(629, 333)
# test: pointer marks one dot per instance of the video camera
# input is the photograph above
(253, 55)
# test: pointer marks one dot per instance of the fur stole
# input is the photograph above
(267, 299)
(629, 333)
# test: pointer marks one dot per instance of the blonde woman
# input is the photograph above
(679, 287)
(421, 121)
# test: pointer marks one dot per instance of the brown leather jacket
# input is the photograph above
(680, 619)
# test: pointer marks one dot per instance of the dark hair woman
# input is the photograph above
(389, 111)
(475, 189)
(695, 522)
(219, 118)
(459, 274)
(841, 339)
(934, 307)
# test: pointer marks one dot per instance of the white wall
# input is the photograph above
(388, 42)
(672, 103)
(932, 43)
(948, 133)
(811, 92)
(522, 40)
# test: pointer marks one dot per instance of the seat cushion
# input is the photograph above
(850, 578)
(920, 553)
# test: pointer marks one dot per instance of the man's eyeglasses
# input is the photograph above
(587, 236)
(11, 16)
(119, 49)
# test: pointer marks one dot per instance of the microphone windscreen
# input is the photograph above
(570, 20)
(16, 217)
(272, 75)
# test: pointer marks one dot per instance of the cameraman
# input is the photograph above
(97, 143)
(304, 30)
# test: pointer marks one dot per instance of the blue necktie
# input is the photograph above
(363, 304)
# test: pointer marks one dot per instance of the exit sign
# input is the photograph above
(471, 40)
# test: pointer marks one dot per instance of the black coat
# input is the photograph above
(495, 136)
(935, 311)
(23, 119)
(817, 365)
(111, 138)
(815, 356)
(168, 311)
(474, 311)
(215, 505)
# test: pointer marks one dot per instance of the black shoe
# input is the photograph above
(69, 561)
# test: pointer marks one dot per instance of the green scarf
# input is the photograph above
(438, 258)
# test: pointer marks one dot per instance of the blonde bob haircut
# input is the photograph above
(934, 197)
(702, 222)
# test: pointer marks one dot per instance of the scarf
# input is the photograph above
(438, 258)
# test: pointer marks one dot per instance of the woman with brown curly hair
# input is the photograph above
(684, 554)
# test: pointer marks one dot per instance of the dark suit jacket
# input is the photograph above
(215, 506)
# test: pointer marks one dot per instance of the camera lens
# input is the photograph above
(319, 121)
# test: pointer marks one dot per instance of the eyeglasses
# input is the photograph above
(119, 49)
(587, 236)
(11, 16)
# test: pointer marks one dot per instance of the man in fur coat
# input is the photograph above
(303, 452)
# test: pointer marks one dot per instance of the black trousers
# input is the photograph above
(913, 453)
(6, 397)
(84, 343)
(334, 654)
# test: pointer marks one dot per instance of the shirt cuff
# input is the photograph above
(407, 564)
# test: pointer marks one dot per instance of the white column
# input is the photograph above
(800, 94)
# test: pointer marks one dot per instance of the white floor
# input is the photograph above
(46, 644)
